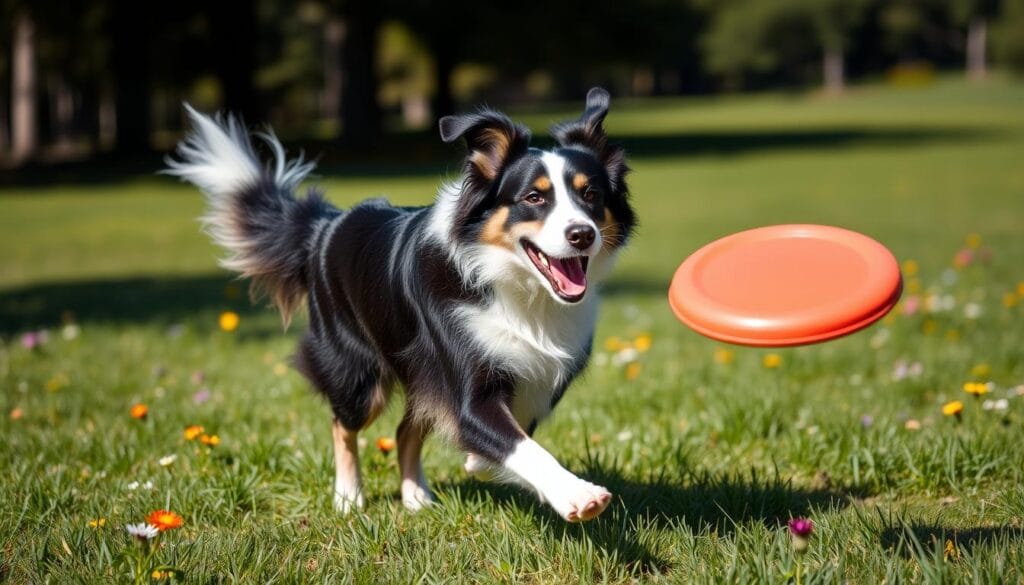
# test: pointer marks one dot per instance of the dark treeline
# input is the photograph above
(82, 77)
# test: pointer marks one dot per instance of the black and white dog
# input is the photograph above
(481, 306)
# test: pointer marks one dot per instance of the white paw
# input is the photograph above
(348, 501)
(580, 502)
(479, 467)
(416, 496)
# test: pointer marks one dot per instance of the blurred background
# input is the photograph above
(88, 79)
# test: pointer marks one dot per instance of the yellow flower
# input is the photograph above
(159, 575)
(229, 321)
(1020, 288)
(57, 382)
(614, 344)
(771, 361)
(976, 388)
(642, 343)
(1010, 300)
(950, 552)
(973, 241)
(633, 370)
(280, 369)
(98, 523)
(910, 267)
(953, 408)
(724, 356)
(209, 440)
(193, 431)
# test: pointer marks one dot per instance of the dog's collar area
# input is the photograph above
(568, 276)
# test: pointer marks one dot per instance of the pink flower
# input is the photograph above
(911, 304)
(801, 527)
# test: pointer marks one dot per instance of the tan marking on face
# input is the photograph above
(526, 229)
(611, 231)
(543, 183)
(579, 181)
(494, 230)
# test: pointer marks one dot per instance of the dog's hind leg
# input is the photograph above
(411, 434)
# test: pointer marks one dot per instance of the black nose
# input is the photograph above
(580, 236)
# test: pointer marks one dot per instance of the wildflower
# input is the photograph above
(17, 413)
(625, 356)
(164, 520)
(136, 485)
(201, 396)
(981, 370)
(963, 258)
(724, 356)
(771, 360)
(867, 420)
(614, 344)
(1020, 288)
(633, 370)
(911, 304)
(912, 424)
(800, 529)
(160, 575)
(973, 241)
(642, 343)
(972, 310)
(1001, 404)
(910, 267)
(625, 435)
(70, 332)
(167, 460)
(57, 382)
(280, 369)
(142, 531)
(30, 340)
(228, 321)
(139, 411)
(953, 408)
(209, 440)
(1010, 300)
(386, 445)
(950, 552)
(192, 431)
(98, 523)
(976, 389)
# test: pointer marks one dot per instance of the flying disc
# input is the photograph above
(785, 285)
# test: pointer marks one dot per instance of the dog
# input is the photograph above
(481, 306)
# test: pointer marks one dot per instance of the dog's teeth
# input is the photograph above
(544, 260)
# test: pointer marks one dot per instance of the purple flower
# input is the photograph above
(30, 340)
(865, 421)
(201, 396)
(801, 527)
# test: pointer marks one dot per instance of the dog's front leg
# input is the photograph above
(489, 432)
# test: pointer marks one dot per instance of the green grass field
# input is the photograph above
(707, 449)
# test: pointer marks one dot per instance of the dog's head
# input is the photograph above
(549, 215)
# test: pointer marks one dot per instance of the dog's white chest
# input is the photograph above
(539, 342)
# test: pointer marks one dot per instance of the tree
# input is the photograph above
(974, 16)
(24, 121)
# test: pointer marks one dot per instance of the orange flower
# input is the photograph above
(164, 520)
(229, 321)
(209, 440)
(139, 411)
(192, 431)
(386, 444)
(953, 408)
(633, 370)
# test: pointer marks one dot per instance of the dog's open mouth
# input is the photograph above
(568, 276)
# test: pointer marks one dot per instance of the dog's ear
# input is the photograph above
(588, 131)
(493, 140)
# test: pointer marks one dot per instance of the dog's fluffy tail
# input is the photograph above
(252, 210)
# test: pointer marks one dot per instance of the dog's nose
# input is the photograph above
(580, 236)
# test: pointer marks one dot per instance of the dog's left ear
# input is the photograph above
(493, 140)
(588, 132)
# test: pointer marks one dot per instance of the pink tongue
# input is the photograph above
(569, 274)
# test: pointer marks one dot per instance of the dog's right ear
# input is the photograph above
(493, 140)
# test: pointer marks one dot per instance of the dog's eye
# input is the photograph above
(589, 194)
(535, 198)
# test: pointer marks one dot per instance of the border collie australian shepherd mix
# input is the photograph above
(481, 306)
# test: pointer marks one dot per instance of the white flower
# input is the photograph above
(167, 460)
(624, 435)
(625, 356)
(136, 485)
(1001, 404)
(70, 331)
(972, 310)
(142, 531)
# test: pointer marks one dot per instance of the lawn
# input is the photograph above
(708, 449)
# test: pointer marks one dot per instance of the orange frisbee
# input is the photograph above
(785, 285)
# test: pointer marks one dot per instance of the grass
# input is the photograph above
(708, 451)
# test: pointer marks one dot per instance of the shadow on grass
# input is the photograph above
(155, 300)
(914, 540)
(697, 501)
(423, 155)
(164, 300)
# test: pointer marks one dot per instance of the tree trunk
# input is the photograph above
(330, 97)
(24, 119)
(359, 109)
(977, 32)
(131, 34)
(834, 71)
